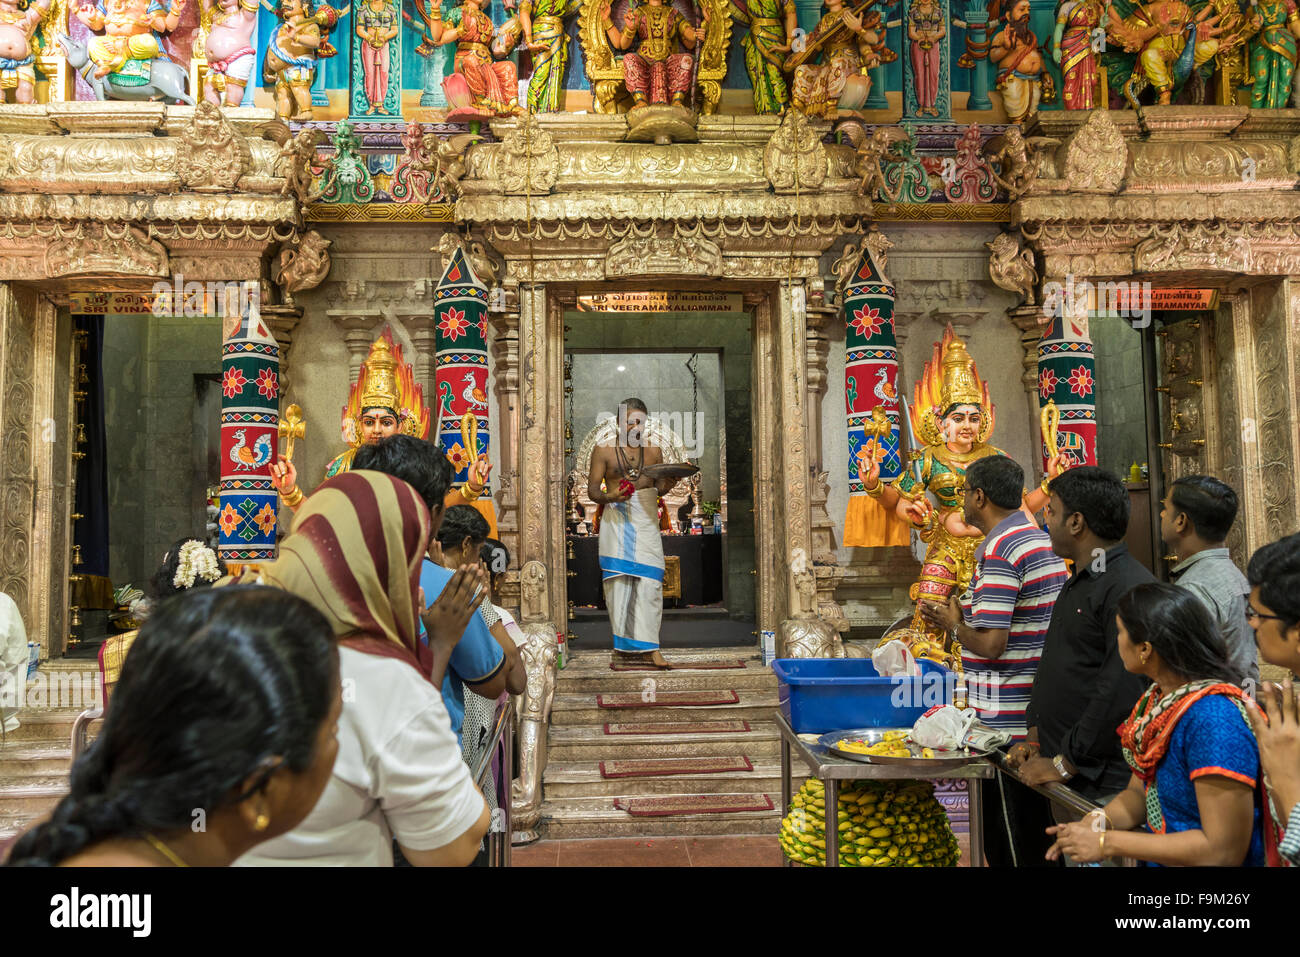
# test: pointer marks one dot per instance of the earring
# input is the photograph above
(263, 821)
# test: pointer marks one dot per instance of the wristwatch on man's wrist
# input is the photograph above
(1058, 762)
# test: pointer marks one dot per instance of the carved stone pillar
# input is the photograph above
(794, 581)
(826, 568)
(282, 320)
(504, 343)
(36, 469)
(418, 322)
(1028, 320)
(541, 451)
(360, 329)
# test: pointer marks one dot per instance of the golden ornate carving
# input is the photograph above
(485, 265)
(6, 158)
(527, 160)
(808, 638)
(794, 158)
(303, 264)
(444, 159)
(1199, 247)
(1011, 265)
(661, 256)
(211, 156)
(1096, 155)
(295, 158)
(1236, 165)
(131, 253)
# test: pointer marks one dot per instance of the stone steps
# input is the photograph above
(583, 779)
(579, 802)
(597, 817)
(25, 759)
(582, 709)
(591, 743)
(48, 724)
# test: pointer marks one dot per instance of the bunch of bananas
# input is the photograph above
(881, 824)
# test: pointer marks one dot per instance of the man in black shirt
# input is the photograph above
(1082, 692)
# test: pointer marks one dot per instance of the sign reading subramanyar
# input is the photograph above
(1141, 299)
(661, 301)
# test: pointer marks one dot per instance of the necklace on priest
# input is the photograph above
(625, 464)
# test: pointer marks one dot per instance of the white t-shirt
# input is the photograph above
(399, 774)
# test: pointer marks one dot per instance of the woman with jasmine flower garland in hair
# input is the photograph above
(1193, 798)
(189, 563)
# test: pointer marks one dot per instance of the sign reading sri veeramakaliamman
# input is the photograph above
(661, 301)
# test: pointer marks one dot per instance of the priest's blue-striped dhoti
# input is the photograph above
(632, 566)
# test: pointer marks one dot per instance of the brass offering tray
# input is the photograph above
(677, 470)
(942, 760)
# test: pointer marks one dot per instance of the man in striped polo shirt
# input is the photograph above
(1001, 623)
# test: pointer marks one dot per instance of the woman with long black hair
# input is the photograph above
(221, 735)
(1192, 799)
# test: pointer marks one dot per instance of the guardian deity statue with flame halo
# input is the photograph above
(953, 417)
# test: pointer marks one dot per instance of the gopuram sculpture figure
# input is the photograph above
(1164, 45)
(771, 26)
(660, 60)
(1275, 25)
(953, 418)
(1023, 80)
(654, 73)
(17, 55)
(849, 45)
(480, 87)
(228, 48)
(1073, 51)
(542, 22)
(292, 54)
(131, 34)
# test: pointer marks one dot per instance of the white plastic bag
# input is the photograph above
(893, 659)
(943, 727)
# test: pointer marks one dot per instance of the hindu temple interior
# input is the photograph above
(802, 233)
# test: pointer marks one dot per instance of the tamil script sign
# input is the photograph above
(662, 301)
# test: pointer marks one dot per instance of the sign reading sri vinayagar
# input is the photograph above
(661, 301)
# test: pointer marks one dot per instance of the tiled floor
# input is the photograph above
(760, 851)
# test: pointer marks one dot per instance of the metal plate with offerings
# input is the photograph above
(915, 756)
(677, 470)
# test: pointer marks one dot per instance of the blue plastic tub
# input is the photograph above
(835, 694)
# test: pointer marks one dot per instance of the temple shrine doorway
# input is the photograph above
(687, 354)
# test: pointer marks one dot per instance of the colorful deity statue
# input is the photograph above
(385, 400)
(377, 23)
(131, 33)
(772, 24)
(925, 32)
(492, 85)
(1164, 43)
(656, 73)
(1074, 51)
(542, 26)
(849, 46)
(1276, 24)
(17, 54)
(1022, 75)
(228, 48)
(292, 53)
(953, 417)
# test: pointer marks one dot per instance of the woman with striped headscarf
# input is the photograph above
(354, 553)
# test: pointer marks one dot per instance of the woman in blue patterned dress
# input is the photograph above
(1193, 799)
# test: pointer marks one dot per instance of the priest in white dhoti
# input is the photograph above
(631, 549)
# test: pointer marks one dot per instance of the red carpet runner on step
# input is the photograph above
(680, 665)
(678, 727)
(654, 767)
(666, 699)
(693, 804)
